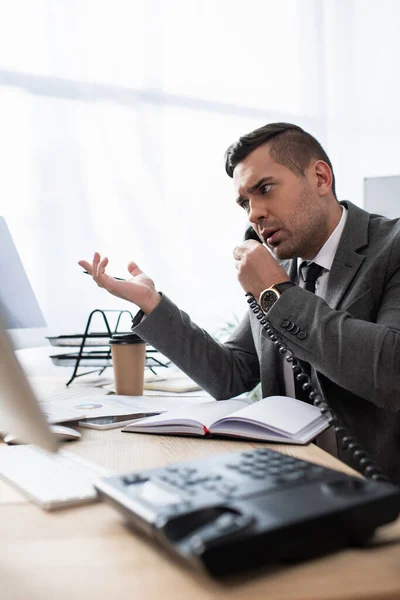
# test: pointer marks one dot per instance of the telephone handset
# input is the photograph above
(364, 462)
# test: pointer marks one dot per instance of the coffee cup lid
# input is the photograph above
(126, 338)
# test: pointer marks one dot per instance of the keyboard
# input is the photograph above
(232, 512)
(50, 480)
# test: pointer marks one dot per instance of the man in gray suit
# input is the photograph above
(345, 324)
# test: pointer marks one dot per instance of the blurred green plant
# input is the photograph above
(256, 393)
(225, 330)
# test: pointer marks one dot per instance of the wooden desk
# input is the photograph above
(89, 553)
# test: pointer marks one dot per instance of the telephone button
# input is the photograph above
(291, 326)
(133, 479)
(301, 335)
(285, 323)
(295, 330)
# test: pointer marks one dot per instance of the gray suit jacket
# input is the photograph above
(351, 338)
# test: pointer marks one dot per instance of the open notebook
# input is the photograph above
(274, 419)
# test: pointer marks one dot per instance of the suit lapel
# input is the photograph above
(347, 260)
(290, 267)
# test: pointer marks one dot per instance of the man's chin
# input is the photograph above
(281, 253)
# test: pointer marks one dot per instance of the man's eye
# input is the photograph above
(245, 204)
(264, 189)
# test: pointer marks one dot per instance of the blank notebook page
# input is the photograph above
(283, 413)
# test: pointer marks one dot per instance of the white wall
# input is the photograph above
(115, 116)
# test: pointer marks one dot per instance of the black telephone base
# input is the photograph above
(238, 511)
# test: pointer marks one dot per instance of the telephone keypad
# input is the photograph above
(262, 468)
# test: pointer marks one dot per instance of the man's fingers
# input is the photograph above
(245, 248)
(102, 266)
(95, 267)
(134, 269)
(85, 265)
(96, 261)
(101, 271)
(238, 252)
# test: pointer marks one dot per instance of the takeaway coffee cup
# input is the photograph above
(128, 353)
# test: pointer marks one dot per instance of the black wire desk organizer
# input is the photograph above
(85, 356)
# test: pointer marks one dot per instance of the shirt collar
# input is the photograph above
(326, 254)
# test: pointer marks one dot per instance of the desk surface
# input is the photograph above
(89, 553)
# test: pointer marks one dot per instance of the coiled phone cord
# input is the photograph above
(365, 464)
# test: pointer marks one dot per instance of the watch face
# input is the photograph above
(268, 299)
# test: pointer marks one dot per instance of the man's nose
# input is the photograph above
(257, 211)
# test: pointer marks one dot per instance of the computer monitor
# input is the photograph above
(19, 307)
(20, 413)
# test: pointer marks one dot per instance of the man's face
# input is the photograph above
(285, 209)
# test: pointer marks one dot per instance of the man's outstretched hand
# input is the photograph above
(139, 289)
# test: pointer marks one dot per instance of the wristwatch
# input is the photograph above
(271, 295)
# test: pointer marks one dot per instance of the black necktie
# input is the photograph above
(310, 273)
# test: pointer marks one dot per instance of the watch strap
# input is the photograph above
(281, 287)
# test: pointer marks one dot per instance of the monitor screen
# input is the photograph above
(20, 413)
(18, 305)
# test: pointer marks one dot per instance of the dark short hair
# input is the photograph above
(289, 144)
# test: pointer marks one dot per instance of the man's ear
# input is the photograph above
(324, 177)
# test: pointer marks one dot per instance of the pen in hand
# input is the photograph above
(119, 278)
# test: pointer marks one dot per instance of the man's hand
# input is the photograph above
(139, 289)
(257, 268)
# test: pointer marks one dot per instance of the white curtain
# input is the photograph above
(115, 115)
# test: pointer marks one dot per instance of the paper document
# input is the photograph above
(167, 382)
(86, 407)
